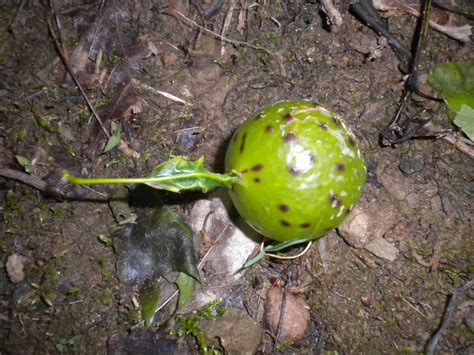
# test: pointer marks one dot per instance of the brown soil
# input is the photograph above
(70, 299)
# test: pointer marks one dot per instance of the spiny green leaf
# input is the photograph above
(173, 175)
(187, 176)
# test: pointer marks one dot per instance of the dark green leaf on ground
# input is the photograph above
(465, 121)
(154, 249)
(455, 81)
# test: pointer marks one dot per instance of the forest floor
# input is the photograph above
(61, 292)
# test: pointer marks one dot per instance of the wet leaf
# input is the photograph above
(455, 81)
(29, 166)
(465, 121)
(153, 250)
(45, 124)
(150, 296)
(114, 139)
(118, 203)
(187, 285)
(187, 176)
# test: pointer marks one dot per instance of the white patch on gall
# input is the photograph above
(323, 110)
(341, 209)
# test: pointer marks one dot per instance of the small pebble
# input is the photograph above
(383, 249)
(15, 267)
(410, 166)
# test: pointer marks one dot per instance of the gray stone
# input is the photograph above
(410, 166)
(383, 249)
(235, 331)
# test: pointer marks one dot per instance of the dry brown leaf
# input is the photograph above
(460, 33)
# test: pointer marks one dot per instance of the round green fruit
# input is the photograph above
(300, 169)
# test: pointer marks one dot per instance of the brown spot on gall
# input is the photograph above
(242, 143)
(285, 223)
(293, 171)
(305, 225)
(284, 208)
(323, 126)
(340, 168)
(290, 137)
(352, 142)
(257, 167)
(244, 171)
(335, 201)
(269, 129)
(257, 180)
(288, 117)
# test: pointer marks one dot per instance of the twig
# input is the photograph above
(284, 302)
(323, 254)
(459, 143)
(396, 128)
(448, 317)
(74, 78)
(34, 182)
(291, 256)
(333, 14)
(227, 21)
(225, 39)
(159, 92)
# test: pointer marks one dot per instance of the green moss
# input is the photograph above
(190, 325)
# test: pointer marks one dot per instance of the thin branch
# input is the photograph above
(213, 34)
(333, 14)
(396, 128)
(74, 77)
(290, 256)
(448, 317)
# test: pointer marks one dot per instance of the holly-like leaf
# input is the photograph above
(151, 251)
(174, 175)
(465, 121)
(185, 175)
(455, 81)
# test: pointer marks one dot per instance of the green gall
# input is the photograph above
(300, 170)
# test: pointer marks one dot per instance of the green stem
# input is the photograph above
(221, 178)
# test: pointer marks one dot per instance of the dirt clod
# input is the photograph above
(15, 267)
(296, 316)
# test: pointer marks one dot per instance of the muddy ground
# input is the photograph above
(418, 196)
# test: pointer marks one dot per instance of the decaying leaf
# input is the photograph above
(28, 165)
(465, 121)
(455, 81)
(118, 203)
(114, 139)
(151, 252)
(460, 33)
